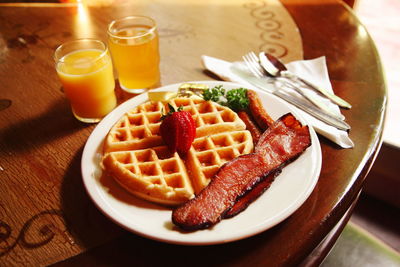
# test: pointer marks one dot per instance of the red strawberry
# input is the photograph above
(178, 129)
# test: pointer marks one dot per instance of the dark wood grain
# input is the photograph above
(45, 214)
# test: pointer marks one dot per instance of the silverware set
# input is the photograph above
(269, 69)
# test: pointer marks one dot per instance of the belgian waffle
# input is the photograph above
(135, 154)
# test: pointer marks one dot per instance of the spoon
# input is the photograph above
(277, 69)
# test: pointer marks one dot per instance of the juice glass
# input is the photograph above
(133, 43)
(85, 69)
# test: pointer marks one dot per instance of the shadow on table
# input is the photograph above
(87, 225)
(31, 132)
(133, 250)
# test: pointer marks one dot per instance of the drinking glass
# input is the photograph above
(133, 43)
(85, 69)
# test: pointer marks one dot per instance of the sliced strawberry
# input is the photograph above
(178, 130)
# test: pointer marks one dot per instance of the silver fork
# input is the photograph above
(256, 69)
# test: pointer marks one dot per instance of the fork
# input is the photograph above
(256, 69)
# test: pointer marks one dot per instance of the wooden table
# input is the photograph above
(46, 217)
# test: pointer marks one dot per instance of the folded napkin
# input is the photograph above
(314, 70)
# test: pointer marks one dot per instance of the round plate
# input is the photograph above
(286, 194)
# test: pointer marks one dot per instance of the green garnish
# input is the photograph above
(214, 94)
(235, 99)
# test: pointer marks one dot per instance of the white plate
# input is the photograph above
(286, 194)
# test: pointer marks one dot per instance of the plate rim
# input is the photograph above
(111, 119)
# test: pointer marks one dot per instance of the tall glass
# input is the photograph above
(133, 42)
(85, 69)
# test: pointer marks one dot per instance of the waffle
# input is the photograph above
(136, 156)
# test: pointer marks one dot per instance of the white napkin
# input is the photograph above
(314, 70)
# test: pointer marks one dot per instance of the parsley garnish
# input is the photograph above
(235, 99)
(214, 94)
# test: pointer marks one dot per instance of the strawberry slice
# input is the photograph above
(178, 129)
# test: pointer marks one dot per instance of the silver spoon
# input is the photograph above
(276, 68)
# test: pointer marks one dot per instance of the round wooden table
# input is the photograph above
(46, 217)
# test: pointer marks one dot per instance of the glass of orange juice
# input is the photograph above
(133, 42)
(85, 69)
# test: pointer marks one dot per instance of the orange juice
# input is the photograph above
(133, 43)
(88, 81)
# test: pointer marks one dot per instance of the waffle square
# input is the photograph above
(136, 156)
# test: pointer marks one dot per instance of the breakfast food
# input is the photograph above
(136, 156)
(280, 144)
(201, 155)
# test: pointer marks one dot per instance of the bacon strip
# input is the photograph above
(258, 112)
(250, 126)
(284, 141)
(250, 196)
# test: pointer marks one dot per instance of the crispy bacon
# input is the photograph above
(251, 195)
(284, 141)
